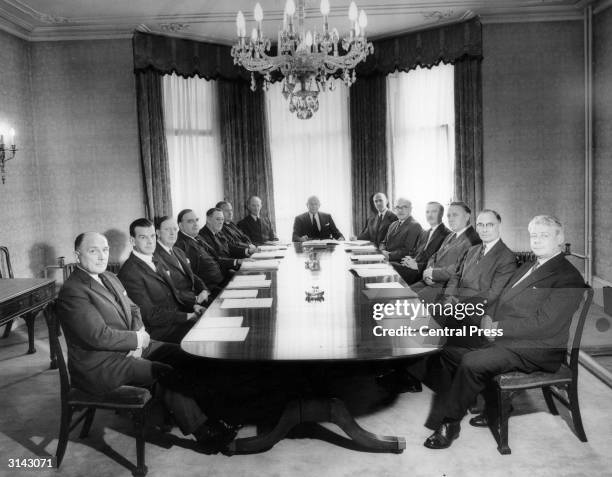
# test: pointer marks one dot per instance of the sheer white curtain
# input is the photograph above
(194, 153)
(311, 157)
(421, 135)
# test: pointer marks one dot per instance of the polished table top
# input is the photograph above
(339, 328)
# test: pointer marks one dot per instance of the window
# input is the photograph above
(311, 157)
(194, 154)
(421, 135)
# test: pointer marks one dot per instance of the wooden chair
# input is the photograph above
(562, 385)
(133, 399)
(6, 271)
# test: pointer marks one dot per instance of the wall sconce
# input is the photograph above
(7, 152)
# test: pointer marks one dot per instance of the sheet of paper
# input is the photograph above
(240, 293)
(272, 248)
(384, 285)
(375, 257)
(269, 254)
(260, 265)
(315, 243)
(376, 272)
(370, 266)
(248, 284)
(217, 334)
(247, 303)
(361, 249)
(219, 322)
(382, 293)
(358, 242)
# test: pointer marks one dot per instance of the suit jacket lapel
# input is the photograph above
(540, 273)
(108, 295)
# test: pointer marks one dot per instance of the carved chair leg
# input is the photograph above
(572, 394)
(504, 402)
(66, 418)
(7, 329)
(548, 397)
(89, 417)
(139, 424)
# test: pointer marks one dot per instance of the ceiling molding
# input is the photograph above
(601, 5)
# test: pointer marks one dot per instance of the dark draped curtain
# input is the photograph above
(245, 145)
(368, 119)
(468, 133)
(153, 147)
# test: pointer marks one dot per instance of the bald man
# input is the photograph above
(313, 225)
(377, 226)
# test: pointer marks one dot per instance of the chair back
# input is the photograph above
(576, 328)
(56, 348)
(6, 270)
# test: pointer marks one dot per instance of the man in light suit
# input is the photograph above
(108, 345)
(314, 224)
(149, 284)
(532, 320)
(211, 234)
(377, 226)
(444, 263)
(403, 234)
(255, 226)
(199, 253)
(189, 287)
(231, 231)
(411, 268)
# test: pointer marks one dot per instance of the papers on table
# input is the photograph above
(260, 265)
(239, 293)
(374, 270)
(272, 248)
(268, 254)
(315, 243)
(384, 285)
(384, 293)
(233, 285)
(376, 257)
(368, 266)
(247, 303)
(219, 322)
(357, 242)
(217, 334)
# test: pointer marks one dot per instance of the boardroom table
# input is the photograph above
(321, 314)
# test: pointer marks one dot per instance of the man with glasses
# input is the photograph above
(403, 234)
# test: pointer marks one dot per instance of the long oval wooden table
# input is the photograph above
(339, 329)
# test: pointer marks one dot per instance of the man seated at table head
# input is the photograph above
(257, 227)
(314, 225)
(190, 288)
(377, 226)
(109, 347)
(149, 284)
(403, 234)
(531, 320)
(199, 253)
(444, 263)
(411, 267)
(231, 231)
(223, 250)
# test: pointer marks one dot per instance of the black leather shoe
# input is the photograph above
(479, 421)
(399, 382)
(444, 436)
(214, 435)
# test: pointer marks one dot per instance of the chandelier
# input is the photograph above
(306, 59)
(8, 150)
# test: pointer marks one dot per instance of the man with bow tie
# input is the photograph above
(377, 226)
(532, 319)
(403, 234)
(148, 281)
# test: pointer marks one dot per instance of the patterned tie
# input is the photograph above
(529, 272)
(481, 254)
(107, 284)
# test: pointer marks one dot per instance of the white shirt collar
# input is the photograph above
(490, 245)
(542, 261)
(433, 229)
(461, 231)
(167, 249)
(148, 259)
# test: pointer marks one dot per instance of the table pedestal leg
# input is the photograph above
(318, 410)
(29, 319)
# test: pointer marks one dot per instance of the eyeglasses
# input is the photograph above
(396, 207)
(487, 226)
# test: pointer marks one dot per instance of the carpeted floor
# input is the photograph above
(542, 444)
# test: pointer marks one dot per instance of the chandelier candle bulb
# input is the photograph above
(12, 137)
(353, 13)
(363, 21)
(240, 24)
(258, 13)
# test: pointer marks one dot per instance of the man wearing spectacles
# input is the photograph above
(403, 234)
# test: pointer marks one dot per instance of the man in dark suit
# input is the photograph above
(377, 226)
(411, 267)
(444, 263)
(108, 345)
(149, 284)
(211, 234)
(256, 227)
(528, 331)
(189, 287)
(403, 234)
(231, 231)
(199, 253)
(313, 225)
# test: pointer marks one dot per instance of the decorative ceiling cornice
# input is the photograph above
(20, 19)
